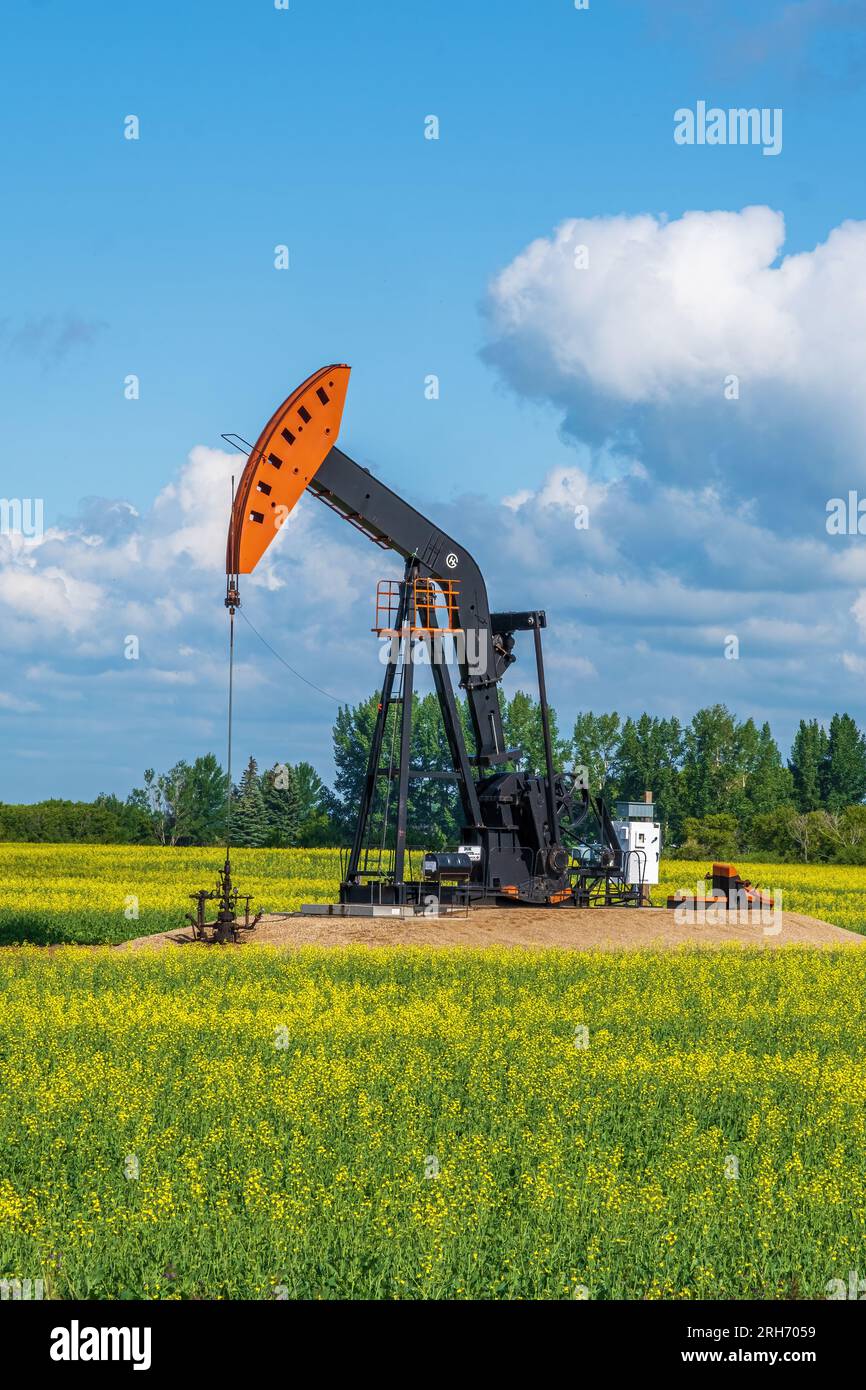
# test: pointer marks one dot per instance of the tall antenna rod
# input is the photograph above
(227, 926)
(232, 602)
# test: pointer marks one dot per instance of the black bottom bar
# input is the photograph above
(197, 1340)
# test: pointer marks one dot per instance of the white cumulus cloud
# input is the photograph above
(639, 347)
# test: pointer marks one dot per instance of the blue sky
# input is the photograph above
(306, 127)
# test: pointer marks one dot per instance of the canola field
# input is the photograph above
(433, 1124)
(104, 894)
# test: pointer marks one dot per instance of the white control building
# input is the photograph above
(640, 838)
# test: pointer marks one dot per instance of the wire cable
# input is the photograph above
(285, 663)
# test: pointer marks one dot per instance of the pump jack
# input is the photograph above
(516, 824)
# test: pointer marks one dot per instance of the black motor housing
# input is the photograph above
(446, 865)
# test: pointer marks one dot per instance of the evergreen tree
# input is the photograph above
(316, 820)
(281, 802)
(806, 764)
(843, 770)
(249, 816)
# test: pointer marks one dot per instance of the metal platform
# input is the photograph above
(380, 910)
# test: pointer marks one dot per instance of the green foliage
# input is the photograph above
(595, 743)
(843, 779)
(186, 805)
(521, 722)
(648, 759)
(808, 756)
(766, 781)
(160, 800)
(732, 768)
(107, 820)
(819, 837)
(711, 762)
(846, 832)
(828, 768)
(202, 802)
(352, 736)
(434, 817)
(250, 824)
(772, 832)
(280, 798)
(315, 822)
(709, 837)
(714, 766)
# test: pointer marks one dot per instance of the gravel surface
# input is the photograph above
(590, 929)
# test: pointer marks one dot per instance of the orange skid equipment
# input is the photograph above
(727, 889)
(289, 452)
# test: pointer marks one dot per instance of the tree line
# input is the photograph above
(721, 786)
